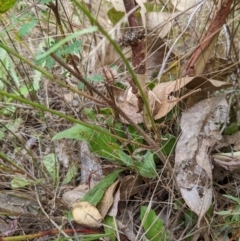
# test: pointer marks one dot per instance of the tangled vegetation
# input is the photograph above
(119, 120)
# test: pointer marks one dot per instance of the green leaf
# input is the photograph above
(134, 135)
(224, 213)
(72, 172)
(235, 199)
(190, 219)
(147, 167)
(99, 143)
(51, 164)
(18, 182)
(90, 113)
(96, 194)
(72, 48)
(77, 132)
(5, 5)
(14, 125)
(67, 39)
(47, 62)
(96, 78)
(114, 15)
(152, 7)
(152, 225)
(104, 145)
(126, 159)
(80, 86)
(168, 144)
(26, 27)
(45, 1)
(109, 227)
(231, 129)
(1, 134)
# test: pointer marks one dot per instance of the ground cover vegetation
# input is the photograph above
(119, 120)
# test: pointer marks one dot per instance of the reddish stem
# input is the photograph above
(214, 28)
(138, 53)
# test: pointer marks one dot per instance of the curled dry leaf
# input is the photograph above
(130, 186)
(107, 199)
(86, 214)
(113, 211)
(75, 194)
(233, 140)
(163, 96)
(200, 131)
(91, 168)
(227, 161)
(162, 99)
(129, 104)
(207, 87)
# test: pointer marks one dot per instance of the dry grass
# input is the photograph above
(26, 132)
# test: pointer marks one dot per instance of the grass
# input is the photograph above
(62, 77)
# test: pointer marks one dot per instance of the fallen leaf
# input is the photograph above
(200, 131)
(163, 97)
(162, 100)
(76, 194)
(91, 169)
(207, 87)
(233, 140)
(86, 214)
(113, 211)
(130, 186)
(228, 161)
(105, 204)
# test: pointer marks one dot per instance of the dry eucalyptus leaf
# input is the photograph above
(77, 193)
(62, 153)
(91, 167)
(113, 211)
(207, 87)
(200, 131)
(227, 161)
(86, 214)
(162, 100)
(127, 229)
(130, 186)
(107, 199)
(233, 140)
(128, 102)
(207, 84)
